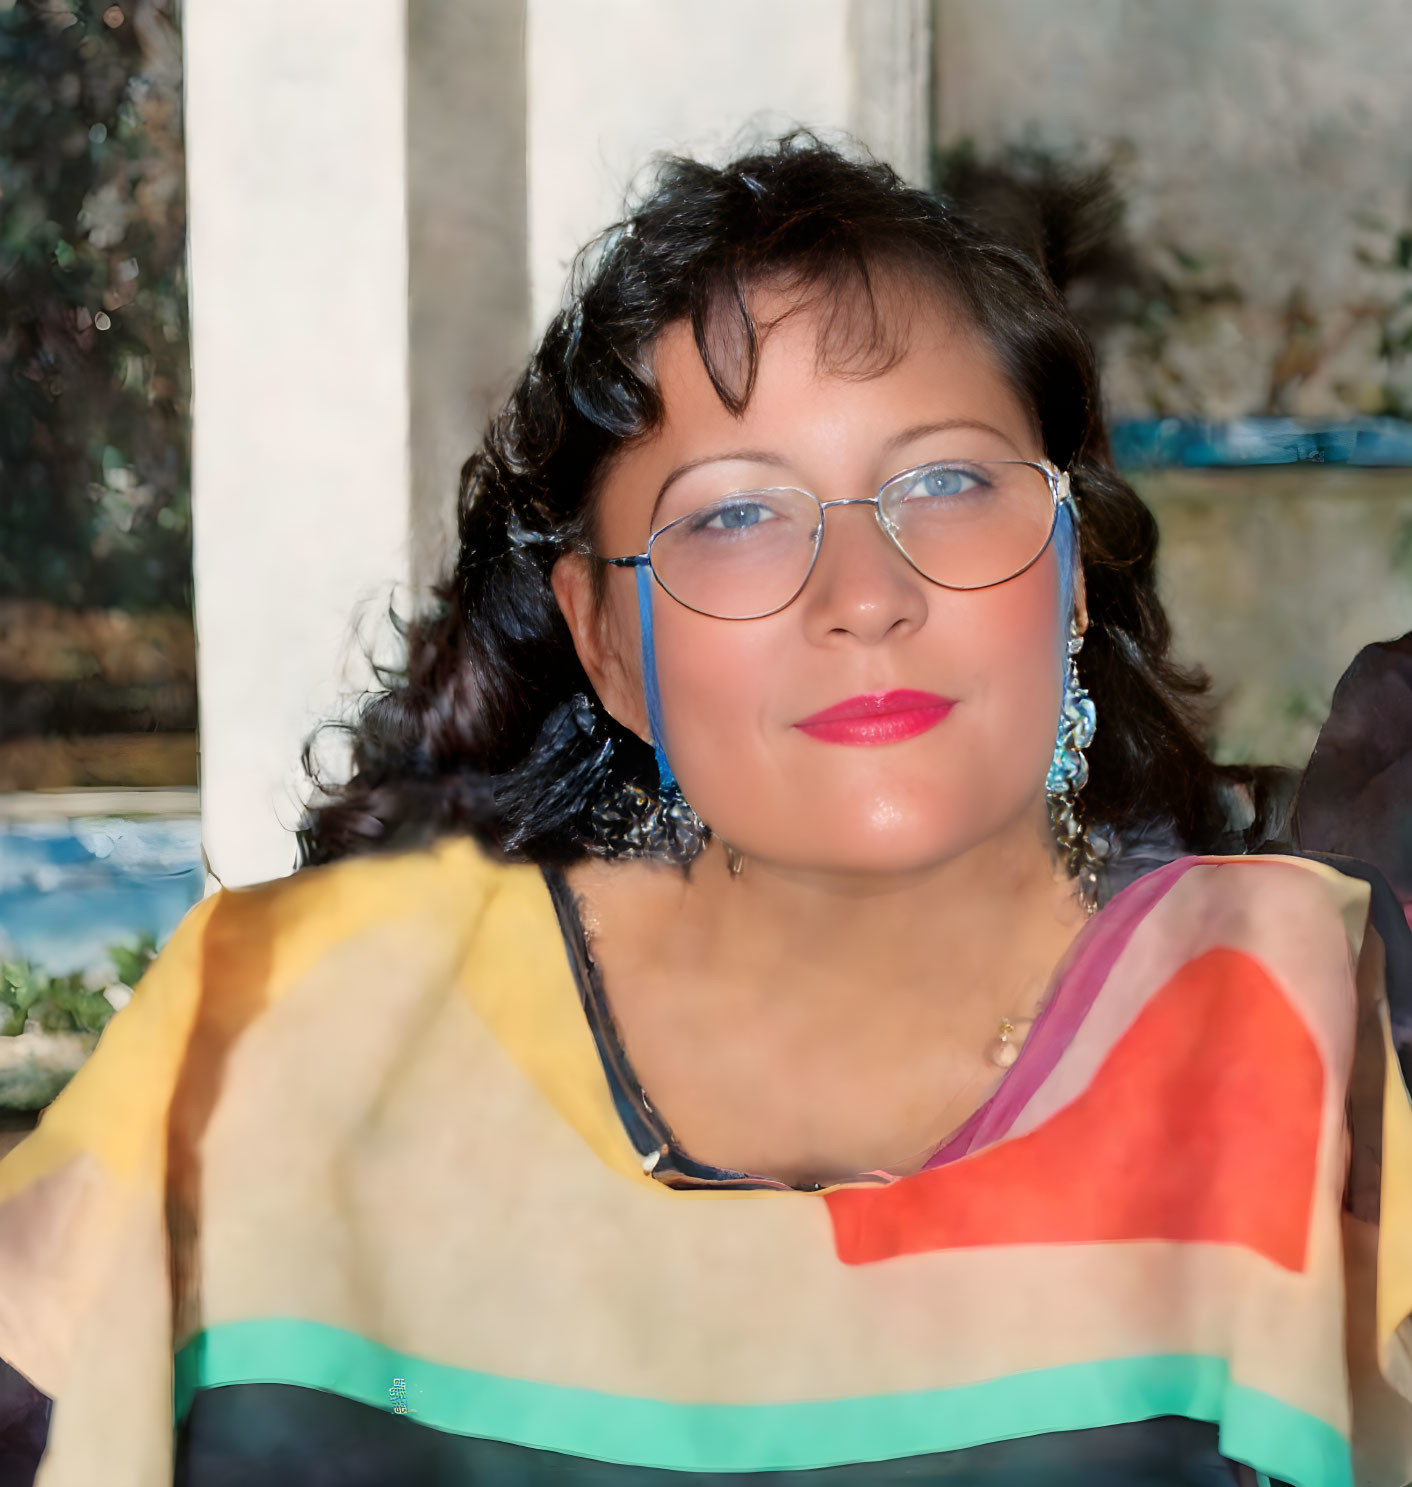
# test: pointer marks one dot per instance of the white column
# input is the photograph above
(357, 243)
(892, 55)
(613, 82)
(469, 313)
(296, 162)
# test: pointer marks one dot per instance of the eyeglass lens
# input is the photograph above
(745, 554)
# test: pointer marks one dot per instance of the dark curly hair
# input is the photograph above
(490, 727)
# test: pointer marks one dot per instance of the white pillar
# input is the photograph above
(469, 313)
(893, 58)
(316, 489)
(295, 150)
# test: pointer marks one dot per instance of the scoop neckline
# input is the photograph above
(663, 1156)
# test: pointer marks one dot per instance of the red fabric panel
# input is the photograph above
(1202, 1124)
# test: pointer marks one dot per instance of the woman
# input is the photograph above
(802, 678)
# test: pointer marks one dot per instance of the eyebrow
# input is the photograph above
(943, 426)
(768, 457)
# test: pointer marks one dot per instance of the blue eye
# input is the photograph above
(736, 517)
(944, 480)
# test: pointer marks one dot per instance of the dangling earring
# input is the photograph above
(634, 820)
(1068, 774)
(735, 861)
(637, 822)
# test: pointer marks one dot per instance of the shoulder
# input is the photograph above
(1302, 920)
(1274, 884)
(442, 893)
(360, 936)
(357, 941)
(1286, 920)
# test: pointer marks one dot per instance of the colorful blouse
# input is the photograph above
(348, 1193)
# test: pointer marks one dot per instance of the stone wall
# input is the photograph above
(1262, 151)
(1274, 579)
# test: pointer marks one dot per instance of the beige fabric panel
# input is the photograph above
(112, 1418)
(303, 1102)
(1382, 1418)
(52, 1240)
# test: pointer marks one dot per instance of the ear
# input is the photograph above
(1081, 616)
(607, 648)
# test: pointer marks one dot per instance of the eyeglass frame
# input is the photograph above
(1060, 490)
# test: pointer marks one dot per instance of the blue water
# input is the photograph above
(71, 889)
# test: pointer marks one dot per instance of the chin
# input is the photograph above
(875, 826)
(886, 840)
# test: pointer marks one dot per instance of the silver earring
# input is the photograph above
(636, 822)
(1068, 774)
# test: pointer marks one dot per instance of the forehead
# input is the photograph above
(819, 355)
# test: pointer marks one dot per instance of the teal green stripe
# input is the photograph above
(1255, 1428)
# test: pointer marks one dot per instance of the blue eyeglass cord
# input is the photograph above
(645, 584)
(1065, 554)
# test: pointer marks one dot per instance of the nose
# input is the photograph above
(861, 587)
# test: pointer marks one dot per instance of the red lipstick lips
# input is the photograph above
(877, 718)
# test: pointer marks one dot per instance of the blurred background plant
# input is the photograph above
(31, 998)
(50, 1024)
(1069, 211)
(97, 681)
(1388, 253)
(1158, 309)
(94, 418)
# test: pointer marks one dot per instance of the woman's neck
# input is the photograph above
(1000, 912)
(809, 1025)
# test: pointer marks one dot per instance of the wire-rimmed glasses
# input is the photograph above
(963, 524)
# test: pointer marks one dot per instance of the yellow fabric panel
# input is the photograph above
(300, 918)
(1395, 1225)
(275, 932)
(92, 1243)
(85, 1297)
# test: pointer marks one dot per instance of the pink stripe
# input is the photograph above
(1077, 981)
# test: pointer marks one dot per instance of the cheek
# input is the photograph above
(1014, 677)
(726, 690)
(715, 681)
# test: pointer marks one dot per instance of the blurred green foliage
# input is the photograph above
(66, 1004)
(94, 362)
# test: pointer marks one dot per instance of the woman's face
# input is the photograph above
(735, 692)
